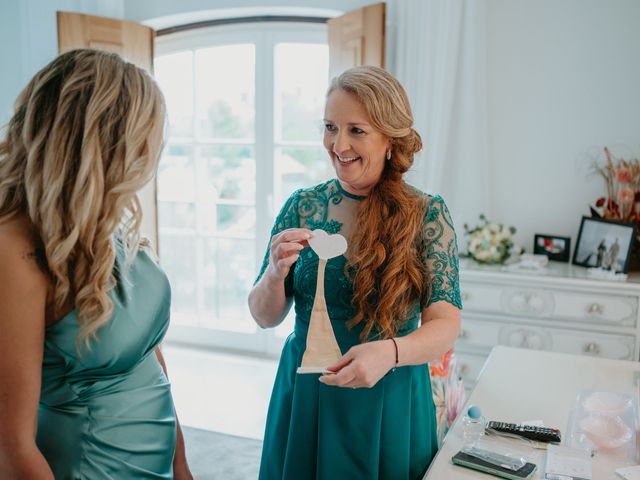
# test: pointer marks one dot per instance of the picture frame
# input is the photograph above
(604, 244)
(555, 247)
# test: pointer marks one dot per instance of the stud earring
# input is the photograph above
(389, 154)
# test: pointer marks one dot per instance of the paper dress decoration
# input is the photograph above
(322, 347)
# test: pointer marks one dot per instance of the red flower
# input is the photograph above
(623, 175)
(441, 368)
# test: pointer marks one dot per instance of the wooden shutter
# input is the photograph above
(357, 38)
(133, 42)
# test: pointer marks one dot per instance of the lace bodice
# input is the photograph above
(329, 207)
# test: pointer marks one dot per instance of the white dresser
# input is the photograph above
(560, 310)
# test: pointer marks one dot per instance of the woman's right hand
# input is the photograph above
(284, 251)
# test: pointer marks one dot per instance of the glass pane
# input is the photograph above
(176, 180)
(225, 91)
(300, 168)
(174, 74)
(234, 220)
(209, 281)
(177, 215)
(230, 172)
(176, 175)
(178, 259)
(302, 71)
(229, 277)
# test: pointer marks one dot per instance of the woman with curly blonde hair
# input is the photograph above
(83, 393)
(393, 298)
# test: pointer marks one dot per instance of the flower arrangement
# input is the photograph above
(623, 189)
(448, 392)
(489, 242)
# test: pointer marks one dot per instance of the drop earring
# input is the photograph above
(389, 154)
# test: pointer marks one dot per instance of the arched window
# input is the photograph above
(245, 103)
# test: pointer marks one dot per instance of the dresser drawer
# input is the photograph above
(469, 366)
(484, 335)
(583, 307)
(596, 308)
(478, 334)
(620, 347)
(481, 297)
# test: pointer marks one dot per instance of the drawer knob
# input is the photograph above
(464, 369)
(592, 348)
(464, 296)
(463, 334)
(595, 309)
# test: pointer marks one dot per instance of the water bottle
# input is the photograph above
(473, 426)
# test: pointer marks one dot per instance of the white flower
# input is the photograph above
(481, 255)
(489, 242)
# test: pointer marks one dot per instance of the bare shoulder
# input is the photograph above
(20, 265)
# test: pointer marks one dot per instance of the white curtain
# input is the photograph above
(436, 48)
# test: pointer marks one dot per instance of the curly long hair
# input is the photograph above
(383, 257)
(86, 135)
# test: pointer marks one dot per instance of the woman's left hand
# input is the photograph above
(363, 365)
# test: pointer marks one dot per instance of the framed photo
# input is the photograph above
(554, 247)
(604, 244)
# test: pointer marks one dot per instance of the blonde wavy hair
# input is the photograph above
(384, 259)
(86, 135)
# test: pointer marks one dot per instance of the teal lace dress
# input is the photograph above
(315, 431)
(107, 413)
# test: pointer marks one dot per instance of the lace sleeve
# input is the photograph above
(440, 253)
(287, 218)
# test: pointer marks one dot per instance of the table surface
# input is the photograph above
(517, 385)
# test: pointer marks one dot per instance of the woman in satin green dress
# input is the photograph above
(83, 387)
(393, 299)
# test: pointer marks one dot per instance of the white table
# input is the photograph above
(517, 385)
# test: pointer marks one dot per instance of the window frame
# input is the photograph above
(265, 36)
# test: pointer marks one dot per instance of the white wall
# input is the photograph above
(28, 39)
(563, 81)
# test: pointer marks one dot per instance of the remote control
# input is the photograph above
(539, 434)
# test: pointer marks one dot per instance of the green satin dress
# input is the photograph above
(107, 413)
(315, 431)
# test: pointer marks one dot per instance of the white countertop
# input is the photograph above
(553, 272)
(518, 385)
